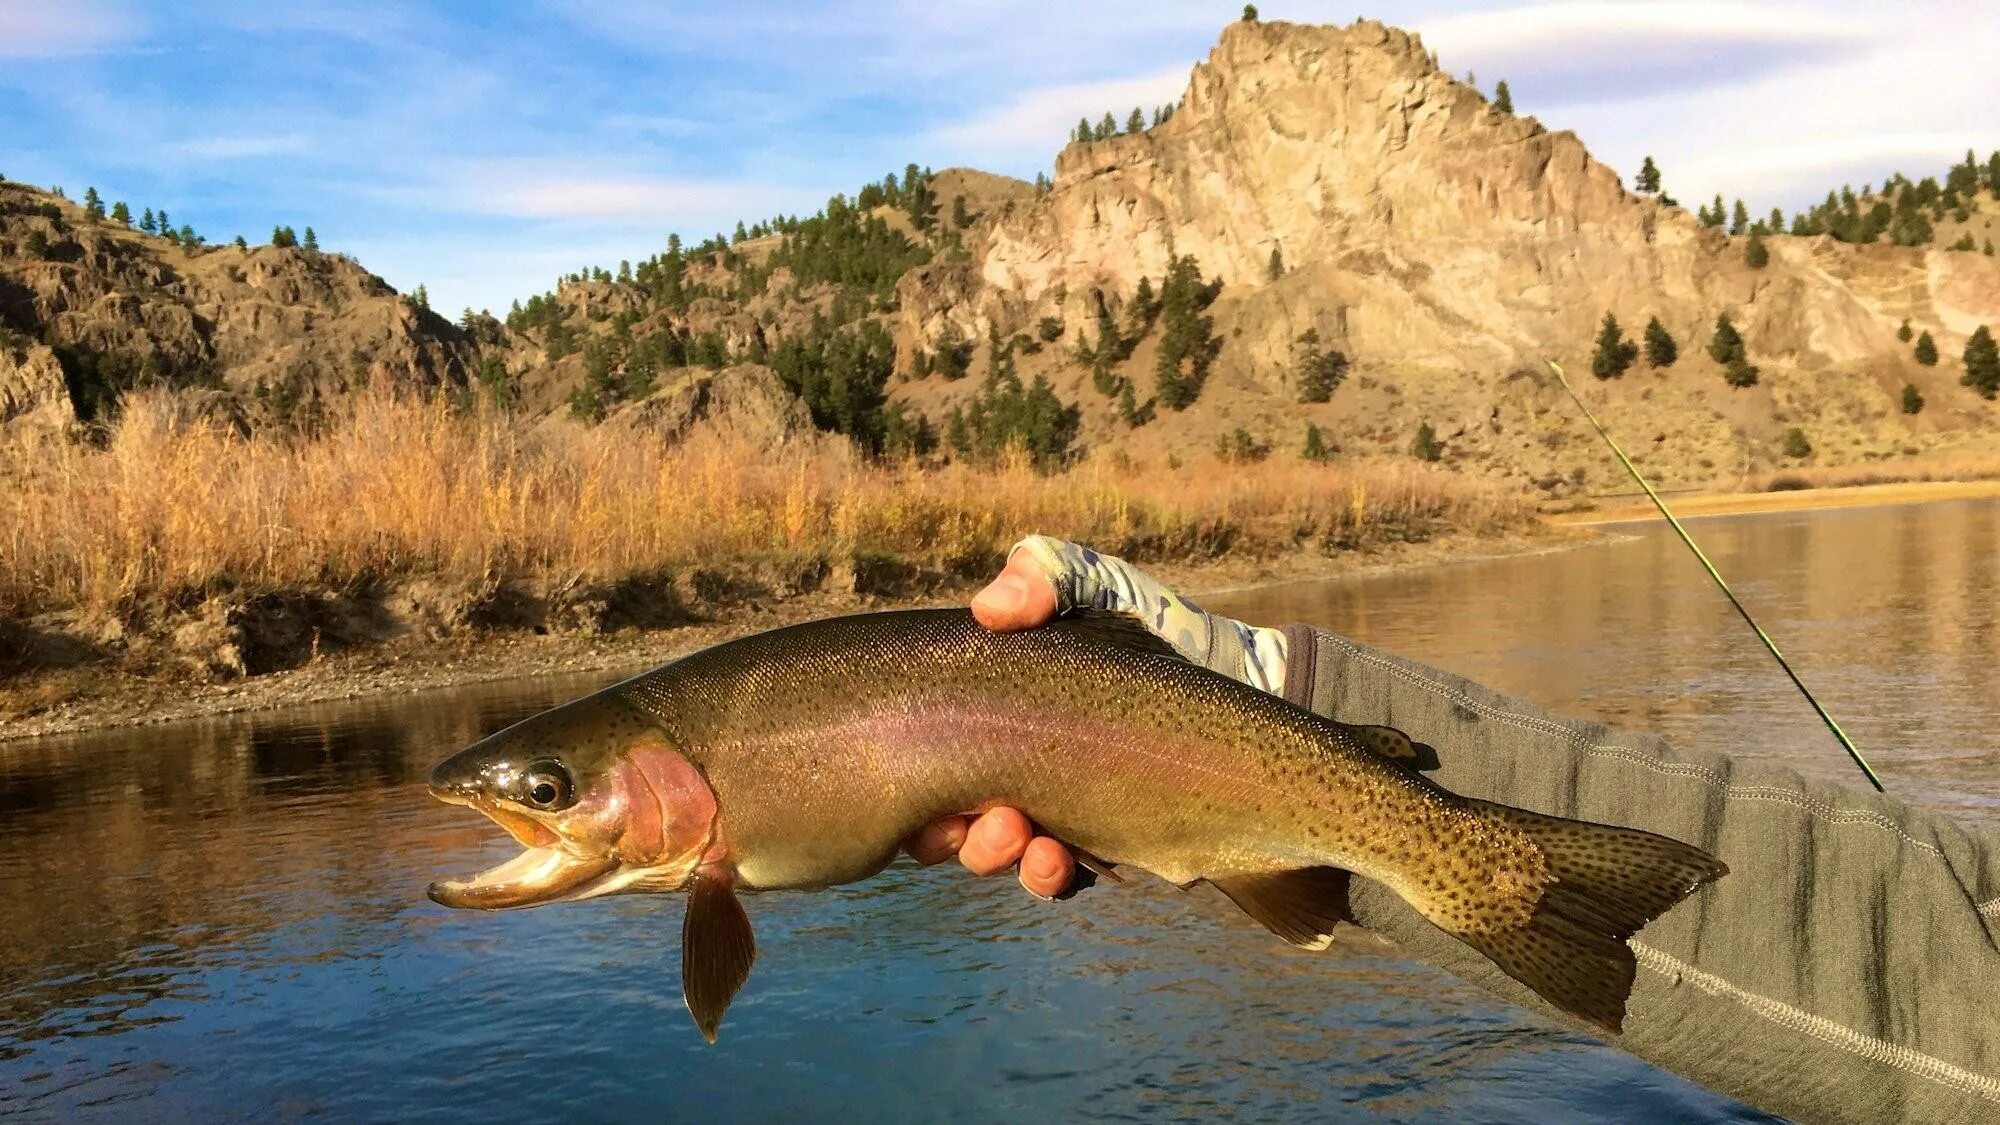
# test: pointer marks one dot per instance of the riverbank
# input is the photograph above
(84, 698)
(1695, 505)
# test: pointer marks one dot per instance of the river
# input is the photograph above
(226, 918)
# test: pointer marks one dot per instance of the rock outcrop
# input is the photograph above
(1445, 248)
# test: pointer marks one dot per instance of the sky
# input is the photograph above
(483, 149)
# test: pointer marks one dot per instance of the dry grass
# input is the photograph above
(1963, 467)
(176, 506)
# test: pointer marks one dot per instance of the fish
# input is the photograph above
(801, 758)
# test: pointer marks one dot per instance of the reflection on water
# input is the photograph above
(1890, 614)
(227, 919)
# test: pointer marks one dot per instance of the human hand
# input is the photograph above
(1042, 578)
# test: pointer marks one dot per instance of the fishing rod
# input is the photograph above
(1846, 743)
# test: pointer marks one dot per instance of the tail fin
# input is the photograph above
(1608, 882)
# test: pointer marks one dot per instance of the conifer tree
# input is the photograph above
(311, 242)
(282, 237)
(1739, 219)
(1903, 332)
(1926, 351)
(1661, 350)
(165, 226)
(1614, 352)
(1319, 372)
(959, 217)
(1982, 363)
(1648, 180)
(1107, 127)
(421, 297)
(1275, 268)
(1249, 13)
(1503, 99)
(1776, 223)
(1082, 130)
(93, 204)
(1755, 255)
(1426, 447)
(1717, 214)
(1316, 449)
(121, 212)
(1913, 399)
(1136, 123)
(1727, 343)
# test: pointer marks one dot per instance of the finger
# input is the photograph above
(939, 840)
(995, 841)
(1021, 598)
(1047, 867)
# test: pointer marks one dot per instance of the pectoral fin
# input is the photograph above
(1390, 743)
(1300, 906)
(717, 950)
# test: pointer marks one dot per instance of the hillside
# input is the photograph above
(1322, 203)
(91, 308)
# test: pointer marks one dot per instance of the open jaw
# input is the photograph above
(545, 873)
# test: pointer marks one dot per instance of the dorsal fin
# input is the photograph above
(1121, 631)
(1393, 744)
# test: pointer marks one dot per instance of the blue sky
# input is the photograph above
(483, 149)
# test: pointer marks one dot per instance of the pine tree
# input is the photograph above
(1739, 219)
(959, 217)
(1796, 445)
(1982, 363)
(121, 212)
(1776, 223)
(165, 226)
(1107, 127)
(1318, 371)
(421, 297)
(1755, 254)
(1904, 333)
(1426, 447)
(1249, 13)
(93, 204)
(1614, 352)
(1082, 130)
(1275, 268)
(1913, 399)
(1316, 449)
(1503, 99)
(1661, 350)
(1717, 215)
(1727, 343)
(1926, 351)
(282, 237)
(240, 244)
(1648, 181)
(311, 242)
(1136, 123)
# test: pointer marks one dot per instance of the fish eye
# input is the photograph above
(547, 787)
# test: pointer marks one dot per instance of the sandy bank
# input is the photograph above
(1694, 505)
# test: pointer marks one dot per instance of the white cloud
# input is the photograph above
(1035, 122)
(242, 147)
(54, 28)
(1557, 29)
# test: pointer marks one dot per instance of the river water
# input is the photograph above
(226, 919)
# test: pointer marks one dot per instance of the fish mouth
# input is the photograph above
(545, 871)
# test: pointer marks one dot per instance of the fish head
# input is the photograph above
(598, 798)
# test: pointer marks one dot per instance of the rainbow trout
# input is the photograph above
(802, 757)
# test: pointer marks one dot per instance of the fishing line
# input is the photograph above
(1846, 742)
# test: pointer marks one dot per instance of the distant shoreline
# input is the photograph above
(1698, 505)
(101, 698)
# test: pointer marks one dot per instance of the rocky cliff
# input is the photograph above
(1444, 248)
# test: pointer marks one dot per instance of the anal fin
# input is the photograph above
(1301, 906)
(717, 949)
